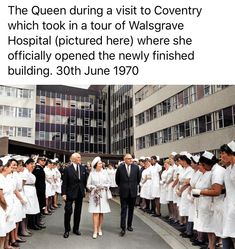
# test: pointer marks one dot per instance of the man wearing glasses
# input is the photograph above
(127, 179)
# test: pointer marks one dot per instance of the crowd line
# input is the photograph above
(199, 191)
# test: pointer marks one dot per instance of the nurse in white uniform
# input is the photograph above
(205, 208)
(3, 207)
(227, 154)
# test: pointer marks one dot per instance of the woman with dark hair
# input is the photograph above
(8, 192)
(32, 205)
(211, 200)
(98, 183)
(3, 207)
(184, 179)
(227, 154)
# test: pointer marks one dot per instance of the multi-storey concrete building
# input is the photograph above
(120, 109)
(17, 112)
(71, 119)
(179, 117)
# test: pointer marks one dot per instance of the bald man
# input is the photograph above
(73, 190)
(127, 179)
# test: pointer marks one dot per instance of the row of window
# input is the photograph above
(58, 119)
(10, 111)
(74, 146)
(12, 131)
(146, 91)
(83, 105)
(64, 137)
(183, 98)
(9, 91)
(210, 122)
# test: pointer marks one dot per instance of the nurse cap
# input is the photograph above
(231, 145)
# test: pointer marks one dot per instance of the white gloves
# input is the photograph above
(196, 192)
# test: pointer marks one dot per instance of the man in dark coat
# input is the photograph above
(73, 190)
(40, 185)
(127, 179)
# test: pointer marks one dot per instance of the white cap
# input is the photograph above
(208, 155)
(118, 163)
(142, 158)
(231, 145)
(95, 161)
(185, 153)
(196, 158)
(5, 159)
(158, 158)
(173, 153)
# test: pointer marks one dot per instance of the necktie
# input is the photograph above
(129, 169)
(78, 171)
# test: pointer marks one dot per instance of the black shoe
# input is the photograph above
(156, 215)
(186, 235)
(122, 233)
(66, 235)
(77, 232)
(198, 243)
(35, 227)
(130, 229)
(41, 226)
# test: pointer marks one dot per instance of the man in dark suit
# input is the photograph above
(127, 179)
(40, 185)
(73, 190)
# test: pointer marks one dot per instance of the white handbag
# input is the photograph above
(109, 194)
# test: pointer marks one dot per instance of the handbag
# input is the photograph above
(109, 194)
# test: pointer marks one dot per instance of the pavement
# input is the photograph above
(147, 233)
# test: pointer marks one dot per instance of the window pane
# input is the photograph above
(228, 120)
(202, 124)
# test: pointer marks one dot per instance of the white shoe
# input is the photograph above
(94, 235)
(100, 233)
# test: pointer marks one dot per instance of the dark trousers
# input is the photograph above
(127, 204)
(228, 243)
(77, 214)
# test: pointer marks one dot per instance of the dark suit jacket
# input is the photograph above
(127, 184)
(72, 186)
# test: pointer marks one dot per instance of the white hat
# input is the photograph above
(142, 158)
(185, 153)
(231, 145)
(95, 161)
(158, 158)
(173, 153)
(5, 160)
(208, 155)
(196, 158)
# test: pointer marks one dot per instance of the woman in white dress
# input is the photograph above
(98, 183)
(3, 207)
(204, 216)
(184, 179)
(227, 154)
(8, 192)
(32, 205)
(58, 182)
(111, 173)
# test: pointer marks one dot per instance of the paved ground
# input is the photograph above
(144, 235)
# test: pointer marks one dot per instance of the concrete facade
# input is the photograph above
(212, 104)
(17, 112)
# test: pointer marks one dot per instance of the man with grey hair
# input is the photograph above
(73, 190)
(127, 178)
